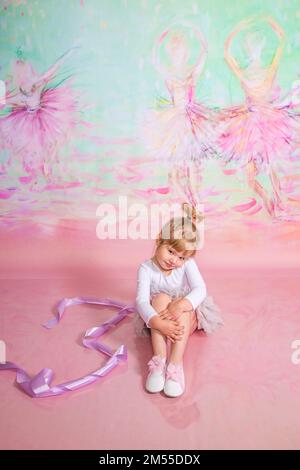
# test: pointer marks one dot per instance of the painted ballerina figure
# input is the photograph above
(179, 133)
(258, 135)
(38, 119)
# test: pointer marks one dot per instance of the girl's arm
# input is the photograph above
(142, 300)
(193, 299)
(198, 288)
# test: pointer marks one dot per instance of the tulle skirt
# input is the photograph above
(262, 133)
(179, 134)
(34, 136)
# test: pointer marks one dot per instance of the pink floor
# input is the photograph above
(243, 391)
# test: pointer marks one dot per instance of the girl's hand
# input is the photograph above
(172, 330)
(167, 315)
(174, 310)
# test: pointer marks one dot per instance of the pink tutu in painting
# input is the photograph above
(260, 131)
(39, 117)
(34, 133)
(181, 130)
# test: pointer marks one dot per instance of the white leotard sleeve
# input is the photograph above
(142, 300)
(198, 288)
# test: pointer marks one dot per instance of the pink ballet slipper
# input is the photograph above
(156, 378)
(175, 383)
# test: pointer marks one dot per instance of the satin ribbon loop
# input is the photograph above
(40, 385)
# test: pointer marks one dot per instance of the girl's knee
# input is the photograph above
(189, 320)
(160, 301)
(185, 318)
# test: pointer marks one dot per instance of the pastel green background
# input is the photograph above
(114, 74)
(114, 67)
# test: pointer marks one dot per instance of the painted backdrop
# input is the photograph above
(158, 101)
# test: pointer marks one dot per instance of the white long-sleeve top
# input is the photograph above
(185, 281)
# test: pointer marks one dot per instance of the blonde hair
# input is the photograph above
(181, 232)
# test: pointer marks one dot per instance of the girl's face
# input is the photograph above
(168, 258)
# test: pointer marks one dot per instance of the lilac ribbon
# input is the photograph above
(40, 385)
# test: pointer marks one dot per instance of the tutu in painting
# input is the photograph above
(42, 116)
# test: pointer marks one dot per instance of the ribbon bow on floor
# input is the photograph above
(40, 385)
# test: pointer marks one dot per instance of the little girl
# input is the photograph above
(172, 302)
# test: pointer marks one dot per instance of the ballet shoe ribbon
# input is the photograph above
(40, 385)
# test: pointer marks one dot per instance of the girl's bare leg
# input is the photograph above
(159, 341)
(189, 321)
(257, 187)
